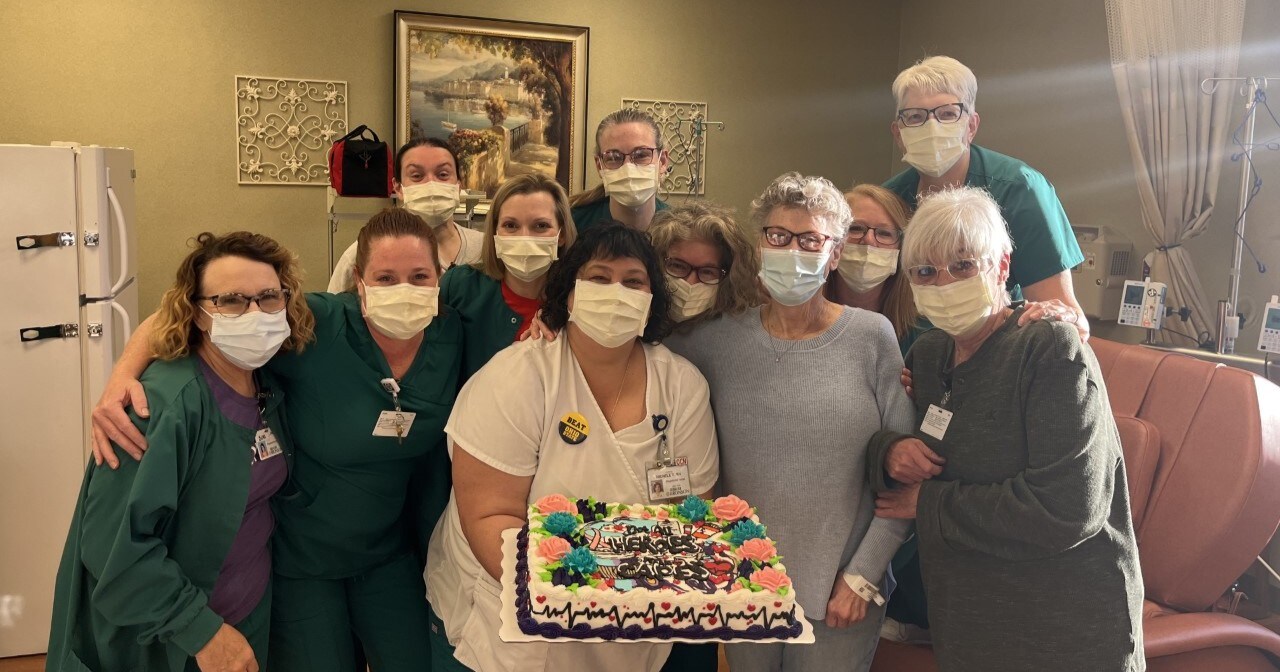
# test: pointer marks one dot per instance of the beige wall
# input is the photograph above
(1046, 95)
(802, 90)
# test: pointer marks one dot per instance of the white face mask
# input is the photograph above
(688, 301)
(957, 308)
(630, 185)
(249, 340)
(793, 276)
(400, 311)
(434, 202)
(934, 148)
(611, 315)
(865, 267)
(527, 257)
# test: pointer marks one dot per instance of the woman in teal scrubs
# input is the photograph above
(168, 563)
(632, 162)
(526, 231)
(367, 404)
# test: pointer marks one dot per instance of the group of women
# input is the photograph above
(398, 427)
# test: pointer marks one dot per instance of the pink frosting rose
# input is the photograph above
(663, 515)
(555, 504)
(770, 579)
(554, 548)
(757, 549)
(730, 508)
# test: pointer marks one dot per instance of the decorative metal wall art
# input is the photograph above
(684, 126)
(284, 128)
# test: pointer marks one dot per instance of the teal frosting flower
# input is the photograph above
(560, 523)
(580, 560)
(746, 530)
(693, 508)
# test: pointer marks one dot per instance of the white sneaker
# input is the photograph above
(905, 633)
(893, 631)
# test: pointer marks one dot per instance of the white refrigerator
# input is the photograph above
(68, 302)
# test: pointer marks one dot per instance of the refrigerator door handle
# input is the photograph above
(32, 241)
(68, 330)
(126, 329)
(122, 242)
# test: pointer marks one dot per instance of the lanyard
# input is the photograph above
(660, 424)
(262, 396)
(393, 387)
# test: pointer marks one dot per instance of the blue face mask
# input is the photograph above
(793, 276)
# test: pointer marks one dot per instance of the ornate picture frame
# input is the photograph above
(509, 96)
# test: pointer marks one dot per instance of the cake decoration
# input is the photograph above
(696, 570)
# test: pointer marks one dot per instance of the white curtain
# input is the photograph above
(1160, 52)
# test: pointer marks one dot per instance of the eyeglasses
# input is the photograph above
(961, 269)
(707, 275)
(885, 236)
(640, 156)
(945, 114)
(233, 304)
(810, 241)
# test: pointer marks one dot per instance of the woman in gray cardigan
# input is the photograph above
(799, 386)
(1014, 473)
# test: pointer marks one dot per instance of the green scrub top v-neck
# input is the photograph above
(488, 323)
(351, 508)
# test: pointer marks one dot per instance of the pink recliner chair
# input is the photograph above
(1202, 452)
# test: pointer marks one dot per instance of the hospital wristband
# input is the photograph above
(863, 588)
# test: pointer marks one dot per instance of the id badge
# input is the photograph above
(936, 420)
(668, 481)
(395, 424)
(265, 444)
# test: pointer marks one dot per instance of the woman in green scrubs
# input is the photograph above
(527, 229)
(367, 403)
(168, 563)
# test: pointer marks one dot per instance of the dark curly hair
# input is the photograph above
(608, 241)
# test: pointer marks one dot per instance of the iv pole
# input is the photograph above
(1227, 310)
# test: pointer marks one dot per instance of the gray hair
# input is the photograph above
(938, 74)
(953, 224)
(816, 195)
(629, 115)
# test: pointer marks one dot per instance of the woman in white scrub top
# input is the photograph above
(573, 416)
(427, 184)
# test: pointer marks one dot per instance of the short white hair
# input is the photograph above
(938, 74)
(815, 195)
(957, 223)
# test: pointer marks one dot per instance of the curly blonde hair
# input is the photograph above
(175, 332)
(713, 224)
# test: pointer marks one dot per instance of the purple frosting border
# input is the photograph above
(530, 626)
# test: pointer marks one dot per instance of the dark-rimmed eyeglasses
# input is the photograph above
(810, 241)
(678, 268)
(234, 304)
(640, 156)
(960, 269)
(884, 236)
(945, 114)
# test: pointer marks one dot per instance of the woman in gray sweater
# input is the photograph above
(1015, 473)
(798, 387)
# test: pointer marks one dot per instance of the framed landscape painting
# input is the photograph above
(509, 97)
